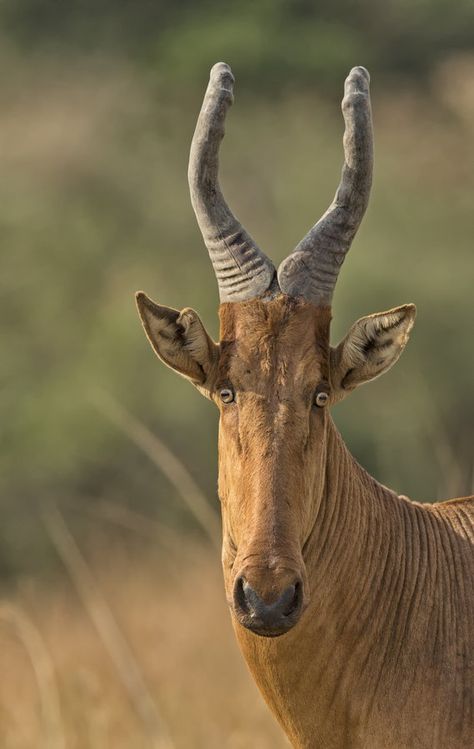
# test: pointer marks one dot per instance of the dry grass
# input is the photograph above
(171, 609)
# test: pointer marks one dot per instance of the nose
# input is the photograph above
(269, 618)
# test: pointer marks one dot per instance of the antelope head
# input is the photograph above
(273, 375)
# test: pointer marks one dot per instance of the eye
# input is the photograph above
(321, 399)
(227, 395)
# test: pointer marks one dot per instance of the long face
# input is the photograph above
(272, 373)
(273, 377)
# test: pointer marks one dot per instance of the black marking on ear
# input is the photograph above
(372, 344)
(393, 324)
(385, 344)
(345, 378)
(368, 345)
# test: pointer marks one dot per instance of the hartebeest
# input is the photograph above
(353, 606)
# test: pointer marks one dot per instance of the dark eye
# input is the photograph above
(321, 399)
(227, 395)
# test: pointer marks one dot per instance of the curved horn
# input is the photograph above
(312, 269)
(243, 271)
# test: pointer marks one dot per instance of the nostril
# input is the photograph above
(293, 594)
(241, 585)
(248, 599)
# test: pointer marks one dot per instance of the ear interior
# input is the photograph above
(372, 346)
(178, 338)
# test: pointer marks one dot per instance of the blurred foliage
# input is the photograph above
(94, 205)
(280, 41)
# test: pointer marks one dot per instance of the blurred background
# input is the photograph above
(113, 625)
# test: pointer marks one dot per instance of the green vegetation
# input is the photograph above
(99, 102)
(269, 41)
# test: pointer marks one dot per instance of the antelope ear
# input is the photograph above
(180, 340)
(371, 347)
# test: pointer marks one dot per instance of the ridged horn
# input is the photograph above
(243, 271)
(312, 269)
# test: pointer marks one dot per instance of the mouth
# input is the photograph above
(257, 627)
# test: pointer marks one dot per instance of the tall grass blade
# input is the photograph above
(112, 637)
(23, 628)
(165, 460)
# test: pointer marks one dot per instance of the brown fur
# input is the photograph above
(382, 656)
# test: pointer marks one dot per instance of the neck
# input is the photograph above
(346, 534)
(363, 562)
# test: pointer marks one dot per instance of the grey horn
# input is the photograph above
(312, 269)
(243, 271)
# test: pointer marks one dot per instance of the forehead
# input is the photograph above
(283, 337)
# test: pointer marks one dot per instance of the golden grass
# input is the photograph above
(170, 608)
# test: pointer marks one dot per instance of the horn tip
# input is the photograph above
(360, 71)
(221, 73)
(358, 81)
